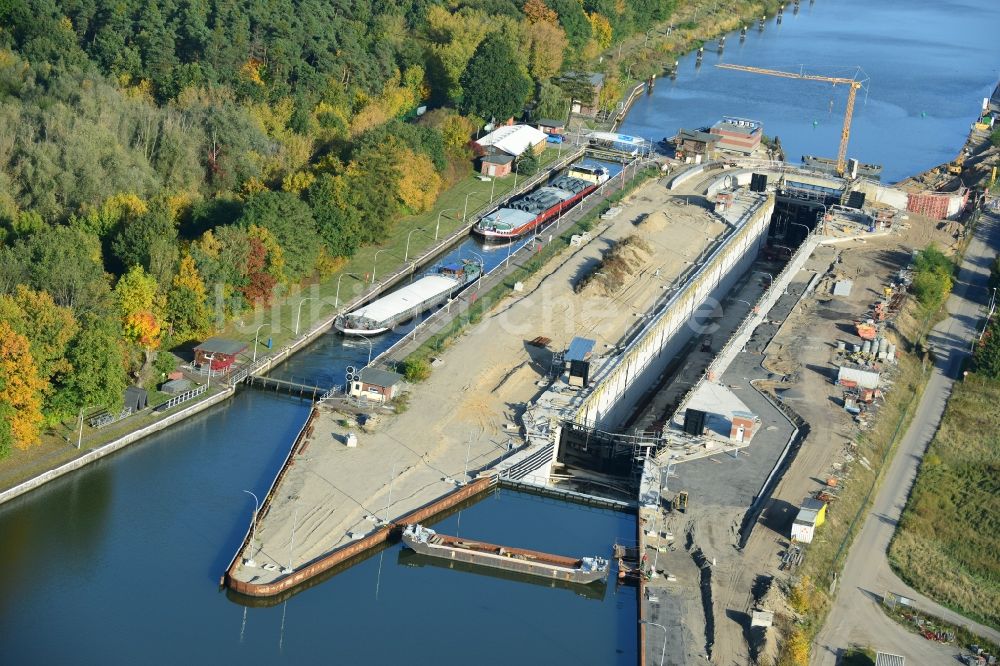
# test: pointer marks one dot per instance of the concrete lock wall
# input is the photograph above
(620, 382)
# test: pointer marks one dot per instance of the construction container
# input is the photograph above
(890, 352)
(866, 347)
(841, 345)
(883, 345)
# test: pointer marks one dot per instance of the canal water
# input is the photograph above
(120, 562)
(929, 65)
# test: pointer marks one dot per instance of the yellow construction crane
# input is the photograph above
(853, 83)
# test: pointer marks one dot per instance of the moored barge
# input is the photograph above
(410, 301)
(525, 214)
(584, 570)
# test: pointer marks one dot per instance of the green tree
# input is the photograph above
(494, 84)
(136, 296)
(339, 223)
(149, 241)
(65, 262)
(292, 225)
(99, 372)
(527, 164)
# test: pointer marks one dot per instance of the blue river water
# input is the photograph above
(119, 562)
(929, 63)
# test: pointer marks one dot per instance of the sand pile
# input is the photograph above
(620, 263)
(655, 221)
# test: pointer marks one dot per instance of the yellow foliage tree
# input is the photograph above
(600, 28)
(187, 308)
(536, 11)
(137, 302)
(275, 255)
(454, 38)
(297, 182)
(546, 45)
(419, 182)
(20, 392)
(47, 327)
(456, 131)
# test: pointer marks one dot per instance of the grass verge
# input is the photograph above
(945, 545)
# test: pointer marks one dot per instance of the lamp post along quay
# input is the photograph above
(298, 313)
(257, 333)
(253, 528)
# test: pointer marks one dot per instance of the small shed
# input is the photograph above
(496, 166)
(221, 352)
(135, 398)
(690, 143)
(743, 426)
(377, 385)
(811, 515)
(551, 126)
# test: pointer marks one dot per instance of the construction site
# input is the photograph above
(705, 355)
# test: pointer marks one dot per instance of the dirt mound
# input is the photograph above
(655, 221)
(620, 263)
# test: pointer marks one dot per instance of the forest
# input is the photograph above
(168, 164)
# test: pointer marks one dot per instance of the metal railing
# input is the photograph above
(182, 397)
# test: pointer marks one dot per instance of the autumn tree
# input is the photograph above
(47, 327)
(454, 38)
(136, 296)
(419, 183)
(187, 310)
(601, 29)
(546, 43)
(20, 392)
(794, 649)
(494, 84)
(536, 11)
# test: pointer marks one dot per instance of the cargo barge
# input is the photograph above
(410, 301)
(525, 214)
(584, 570)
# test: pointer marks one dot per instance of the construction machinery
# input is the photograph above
(853, 83)
(955, 167)
(681, 502)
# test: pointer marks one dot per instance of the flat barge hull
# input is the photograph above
(529, 562)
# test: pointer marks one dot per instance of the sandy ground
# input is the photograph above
(333, 493)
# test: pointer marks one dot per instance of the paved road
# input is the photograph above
(856, 616)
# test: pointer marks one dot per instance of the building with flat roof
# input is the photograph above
(513, 140)
(739, 135)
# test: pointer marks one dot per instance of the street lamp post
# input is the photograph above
(663, 650)
(79, 437)
(336, 299)
(375, 263)
(256, 333)
(799, 224)
(437, 227)
(482, 268)
(209, 358)
(771, 277)
(406, 255)
(299, 312)
(370, 348)
(465, 211)
(253, 527)
(392, 475)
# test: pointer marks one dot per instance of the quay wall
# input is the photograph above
(618, 383)
(115, 445)
(340, 555)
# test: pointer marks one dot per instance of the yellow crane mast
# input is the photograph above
(854, 84)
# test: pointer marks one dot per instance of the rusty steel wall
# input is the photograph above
(345, 553)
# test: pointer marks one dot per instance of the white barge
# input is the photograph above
(410, 301)
(583, 570)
